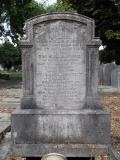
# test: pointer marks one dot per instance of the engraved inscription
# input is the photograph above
(60, 65)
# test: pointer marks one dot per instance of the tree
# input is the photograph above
(107, 17)
(9, 55)
(14, 13)
(59, 7)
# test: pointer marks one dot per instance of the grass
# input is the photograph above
(13, 75)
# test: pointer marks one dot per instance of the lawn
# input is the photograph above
(12, 75)
(15, 75)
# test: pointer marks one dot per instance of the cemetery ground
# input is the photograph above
(10, 92)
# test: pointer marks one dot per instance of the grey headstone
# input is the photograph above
(100, 74)
(107, 69)
(60, 111)
(115, 78)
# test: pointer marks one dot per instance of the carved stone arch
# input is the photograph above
(55, 16)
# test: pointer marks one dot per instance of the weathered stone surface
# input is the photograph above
(69, 150)
(5, 147)
(100, 74)
(104, 73)
(83, 127)
(4, 124)
(115, 78)
(60, 81)
(60, 103)
(107, 72)
(57, 57)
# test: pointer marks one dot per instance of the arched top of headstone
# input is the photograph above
(60, 15)
(63, 16)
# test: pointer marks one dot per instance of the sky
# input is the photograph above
(47, 1)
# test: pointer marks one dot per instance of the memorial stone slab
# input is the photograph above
(60, 110)
(115, 78)
(100, 74)
(107, 69)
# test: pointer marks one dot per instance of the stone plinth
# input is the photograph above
(75, 133)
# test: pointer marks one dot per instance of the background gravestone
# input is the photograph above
(107, 72)
(100, 74)
(104, 73)
(60, 111)
(115, 78)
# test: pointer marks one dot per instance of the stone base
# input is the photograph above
(71, 133)
(69, 150)
(69, 158)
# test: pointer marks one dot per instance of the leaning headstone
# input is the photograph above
(60, 111)
(115, 78)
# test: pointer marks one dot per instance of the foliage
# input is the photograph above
(59, 7)
(107, 17)
(9, 55)
(111, 34)
(29, 10)
(7, 7)
(106, 55)
(14, 13)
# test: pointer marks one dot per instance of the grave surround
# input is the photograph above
(60, 109)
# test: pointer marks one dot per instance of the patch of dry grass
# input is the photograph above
(112, 103)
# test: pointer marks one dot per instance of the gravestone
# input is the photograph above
(60, 110)
(115, 78)
(100, 74)
(107, 69)
(104, 73)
